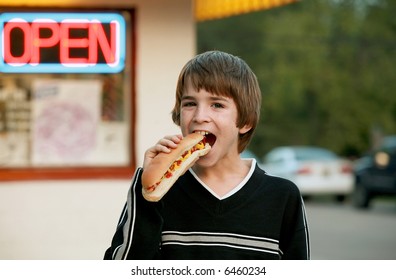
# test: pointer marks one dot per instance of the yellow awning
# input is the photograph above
(215, 9)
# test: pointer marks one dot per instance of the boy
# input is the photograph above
(223, 207)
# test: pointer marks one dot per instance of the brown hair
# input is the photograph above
(226, 75)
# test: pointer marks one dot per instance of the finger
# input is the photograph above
(170, 141)
(174, 138)
(164, 147)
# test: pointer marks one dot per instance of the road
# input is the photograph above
(340, 232)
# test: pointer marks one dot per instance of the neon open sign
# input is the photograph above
(62, 43)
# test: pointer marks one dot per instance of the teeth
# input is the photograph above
(202, 132)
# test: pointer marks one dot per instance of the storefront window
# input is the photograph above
(66, 123)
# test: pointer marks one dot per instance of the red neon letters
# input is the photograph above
(34, 43)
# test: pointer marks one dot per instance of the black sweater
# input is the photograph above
(265, 219)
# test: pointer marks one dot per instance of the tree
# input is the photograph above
(325, 68)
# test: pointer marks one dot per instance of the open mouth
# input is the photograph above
(209, 137)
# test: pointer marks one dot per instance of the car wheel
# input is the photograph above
(361, 197)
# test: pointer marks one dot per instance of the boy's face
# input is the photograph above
(205, 112)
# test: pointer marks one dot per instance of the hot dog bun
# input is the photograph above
(166, 168)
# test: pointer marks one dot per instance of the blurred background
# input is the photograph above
(70, 141)
(326, 69)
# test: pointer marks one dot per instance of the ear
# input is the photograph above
(245, 129)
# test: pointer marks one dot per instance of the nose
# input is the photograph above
(201, 114)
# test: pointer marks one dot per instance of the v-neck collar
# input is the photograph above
(234, 190)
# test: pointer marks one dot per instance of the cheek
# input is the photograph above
(184, 122)
(230, 117)
(183, 117)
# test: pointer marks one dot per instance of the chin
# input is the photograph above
(206, 162)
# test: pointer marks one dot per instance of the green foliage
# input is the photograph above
(326, 70)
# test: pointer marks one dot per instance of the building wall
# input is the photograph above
(76, 219)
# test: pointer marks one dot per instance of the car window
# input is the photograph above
(303, 154)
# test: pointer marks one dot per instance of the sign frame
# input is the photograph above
(63, 17)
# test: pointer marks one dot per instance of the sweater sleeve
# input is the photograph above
(296, 244)
(138, 233)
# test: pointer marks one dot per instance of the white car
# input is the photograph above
(314, 170)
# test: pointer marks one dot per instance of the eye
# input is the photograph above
(188, 104)
(217, 105)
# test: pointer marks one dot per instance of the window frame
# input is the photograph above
(89, 172)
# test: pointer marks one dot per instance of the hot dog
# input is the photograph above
(166, 168)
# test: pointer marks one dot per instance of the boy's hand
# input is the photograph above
(164, 145)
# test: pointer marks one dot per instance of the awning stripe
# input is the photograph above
(215, 9)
